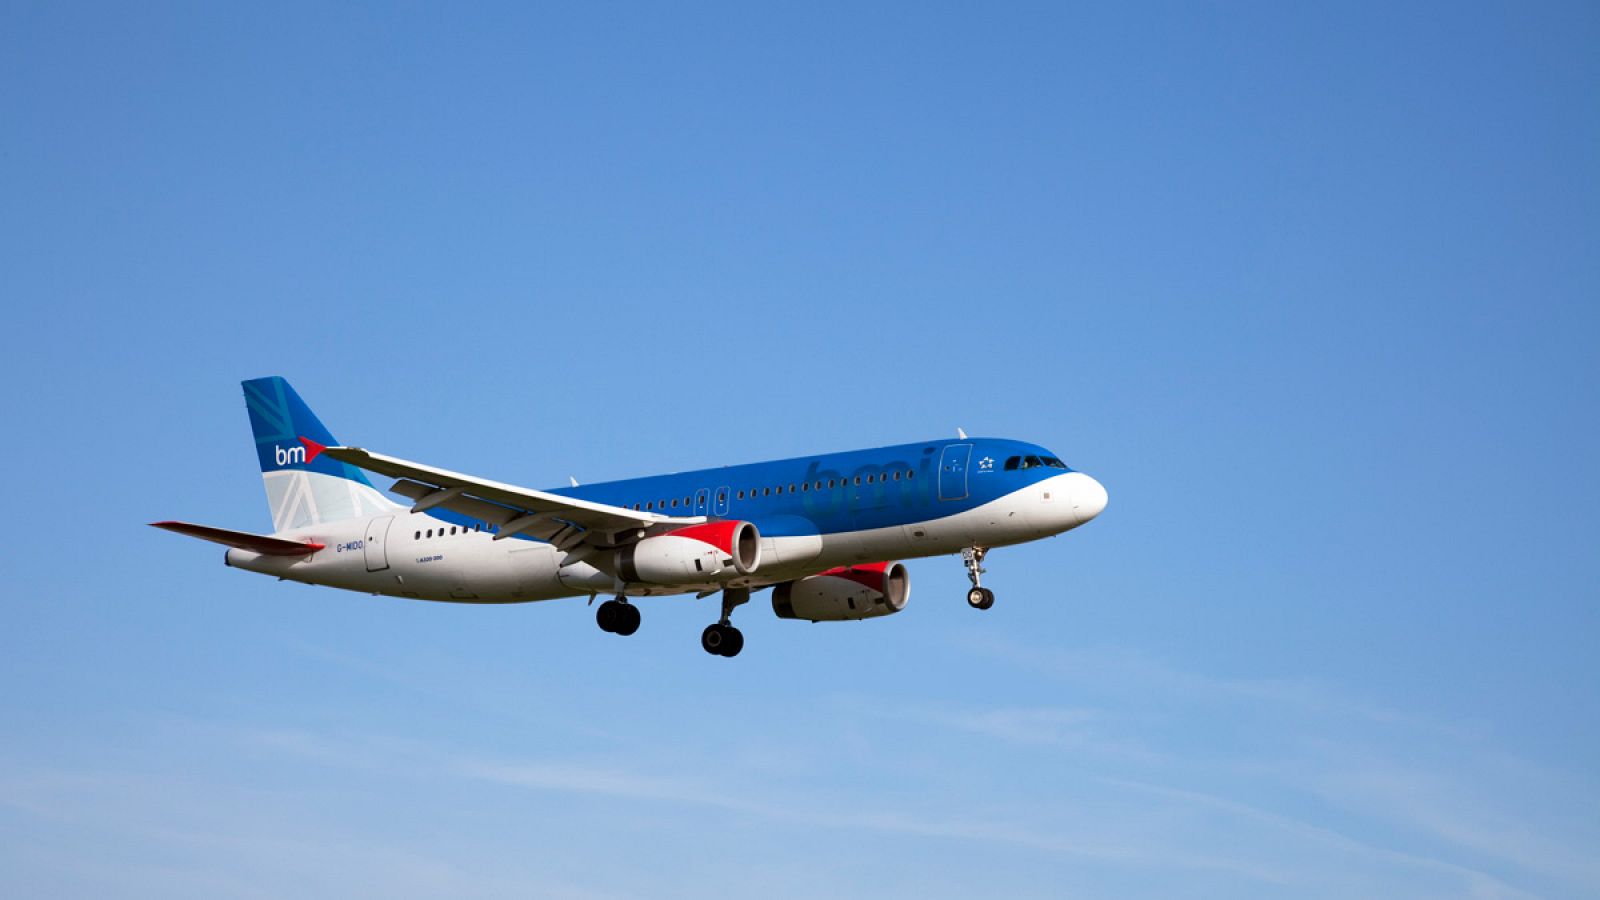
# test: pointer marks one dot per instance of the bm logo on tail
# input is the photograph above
(297, 456)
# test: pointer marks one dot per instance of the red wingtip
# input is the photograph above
(312, 448)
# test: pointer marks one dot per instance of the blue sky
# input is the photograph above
(1314, 292)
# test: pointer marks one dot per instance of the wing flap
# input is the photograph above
(544, 528)
(244, 540)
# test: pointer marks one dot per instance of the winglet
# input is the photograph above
(959, 433)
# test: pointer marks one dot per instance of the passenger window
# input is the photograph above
(780, 488)
(910, 474)
(418, 537)
(858, 480)
(674, 503)
(830, 483)
(791, 488)
(897, 475)
(805, 487)
(430, 532)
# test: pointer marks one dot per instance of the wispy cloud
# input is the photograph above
(1131, 671)
(819, 808)
(1272, 788)
(1438, 781)
(182, 838)
(1480, 884)
(858, 814)
(1460, 814)
(1078, 728)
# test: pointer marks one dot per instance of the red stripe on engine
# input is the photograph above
(873, 576)
(717, 534)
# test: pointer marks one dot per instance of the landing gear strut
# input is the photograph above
(618, 616)
(979, 597)
(722, 639)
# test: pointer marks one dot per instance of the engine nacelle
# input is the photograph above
(697, 554)
(852, 592)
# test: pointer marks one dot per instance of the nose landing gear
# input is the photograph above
(618, 616)
(979, 597)
(721, 638)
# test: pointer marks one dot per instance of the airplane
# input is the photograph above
(821, 531)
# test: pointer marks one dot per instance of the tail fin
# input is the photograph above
(303, 486)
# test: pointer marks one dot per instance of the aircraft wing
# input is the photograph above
(561, 520)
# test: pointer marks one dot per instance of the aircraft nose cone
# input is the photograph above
(1088, 498)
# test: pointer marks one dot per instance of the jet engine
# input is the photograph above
(851, 592)
(697, 554)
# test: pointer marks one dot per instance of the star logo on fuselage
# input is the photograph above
(986, 464)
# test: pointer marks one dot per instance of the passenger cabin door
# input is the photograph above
(376, 545)
(721, 506)
(953, 471)
(702, 502)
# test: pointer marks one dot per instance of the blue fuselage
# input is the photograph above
(838, 492)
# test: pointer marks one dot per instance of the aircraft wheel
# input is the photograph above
(980, 598)
(627, 620)
(609, 616)
(721, 640)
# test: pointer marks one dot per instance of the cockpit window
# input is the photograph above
(1034, 462)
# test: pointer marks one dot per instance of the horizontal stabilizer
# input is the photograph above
(244, 540)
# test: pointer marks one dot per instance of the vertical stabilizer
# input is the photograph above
(303, 486)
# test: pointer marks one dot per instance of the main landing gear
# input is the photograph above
(979, 597)
(721, 638)
(618, 616)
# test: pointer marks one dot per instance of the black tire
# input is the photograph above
(975, 598)
(607, 616)
(713, 639)
(627, 619)
(733, 643)
(988, 598)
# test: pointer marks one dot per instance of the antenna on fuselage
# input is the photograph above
(961, 434)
